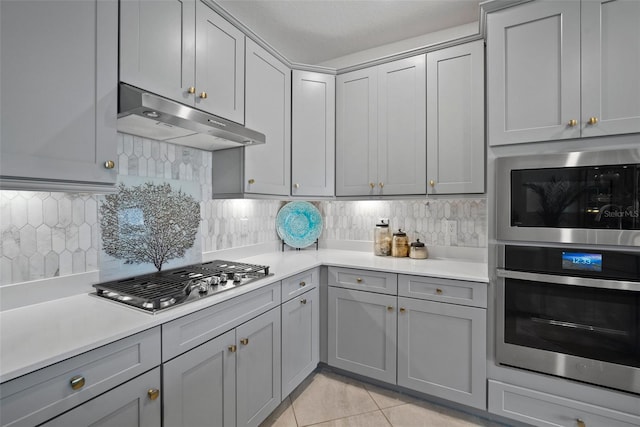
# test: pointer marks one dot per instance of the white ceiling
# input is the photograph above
(315, 31)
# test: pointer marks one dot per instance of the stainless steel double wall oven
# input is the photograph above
(568, 277)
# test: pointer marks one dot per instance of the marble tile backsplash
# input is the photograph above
(48, 234)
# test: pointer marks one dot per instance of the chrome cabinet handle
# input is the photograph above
(77, 382)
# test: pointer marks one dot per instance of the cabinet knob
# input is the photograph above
(432, 183)
(109, 164)
(593, 120)
(303, 284)
(439, 291)
(252, 181)
(381, 185)
(77, 382)
(580, 423)
(303, 301)
(372, 185)
(204, 95)
(191, 90)
(153, 393)
(389, 308)
(296, 185)
(402, 309)
(232, 348)
(359, 280)
(244, 341)
(573, 122)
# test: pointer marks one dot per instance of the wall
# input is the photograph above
(45, 235)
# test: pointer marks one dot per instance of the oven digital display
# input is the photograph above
(581, 261)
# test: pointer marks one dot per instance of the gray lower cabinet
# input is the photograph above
(200, 385)
(231, 380)
(442, 350)
(300, 338)
(258, 368)
(45, 394)
(362, 333)
(548, 410)
(58, 94)
(136, 403)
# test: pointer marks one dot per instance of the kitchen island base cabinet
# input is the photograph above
(442, 350)
(231, 380)
(133, 404)
(362, 333)
(300, 339)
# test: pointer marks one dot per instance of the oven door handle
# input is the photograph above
(570, 280)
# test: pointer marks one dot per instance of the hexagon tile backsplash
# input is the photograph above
(46, 234)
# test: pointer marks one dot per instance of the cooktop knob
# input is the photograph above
(237, 277)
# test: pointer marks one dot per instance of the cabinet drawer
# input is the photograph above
(300, 283)
(473, 294)
(543, 409)
(44, 394)
(364, 280)
(185, 333)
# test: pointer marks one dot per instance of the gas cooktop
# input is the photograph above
(160, 291)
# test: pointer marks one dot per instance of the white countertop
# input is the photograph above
(38, 335)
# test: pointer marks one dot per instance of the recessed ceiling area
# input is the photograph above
(316, 31)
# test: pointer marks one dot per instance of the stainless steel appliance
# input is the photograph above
(577, 198)
(570, 312)
(151, 116)
(163, 290)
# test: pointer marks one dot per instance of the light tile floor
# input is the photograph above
(327, 399)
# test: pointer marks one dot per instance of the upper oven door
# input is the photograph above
(581, 197)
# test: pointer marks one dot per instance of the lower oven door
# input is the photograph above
(572, 327)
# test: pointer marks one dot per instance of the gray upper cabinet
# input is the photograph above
(560, 70)
(381, 130)
(610, 67)
(185, 51)
(455, 119)
(58, 94)
(313, 134)
(533, 72)
(268, 110)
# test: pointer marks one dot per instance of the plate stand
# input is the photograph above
(297, 249)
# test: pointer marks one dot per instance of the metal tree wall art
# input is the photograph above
(148, 223)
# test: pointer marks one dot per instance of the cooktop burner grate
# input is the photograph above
(156, 291)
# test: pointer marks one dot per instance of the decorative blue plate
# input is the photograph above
(299, 224)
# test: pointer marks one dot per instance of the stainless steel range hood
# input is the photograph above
(151, 116)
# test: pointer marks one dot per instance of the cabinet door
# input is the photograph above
(200, 385)
(58, 91)
(157, 46)
(357, 133)
(455, 119)
(313, 134)
(133, 404)
(300, 339)
(219, 65)
(258, 370)
(402, 135)
(362, 333)
(442, 350)
(533, 72)
(610, 67)
(268, 110)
